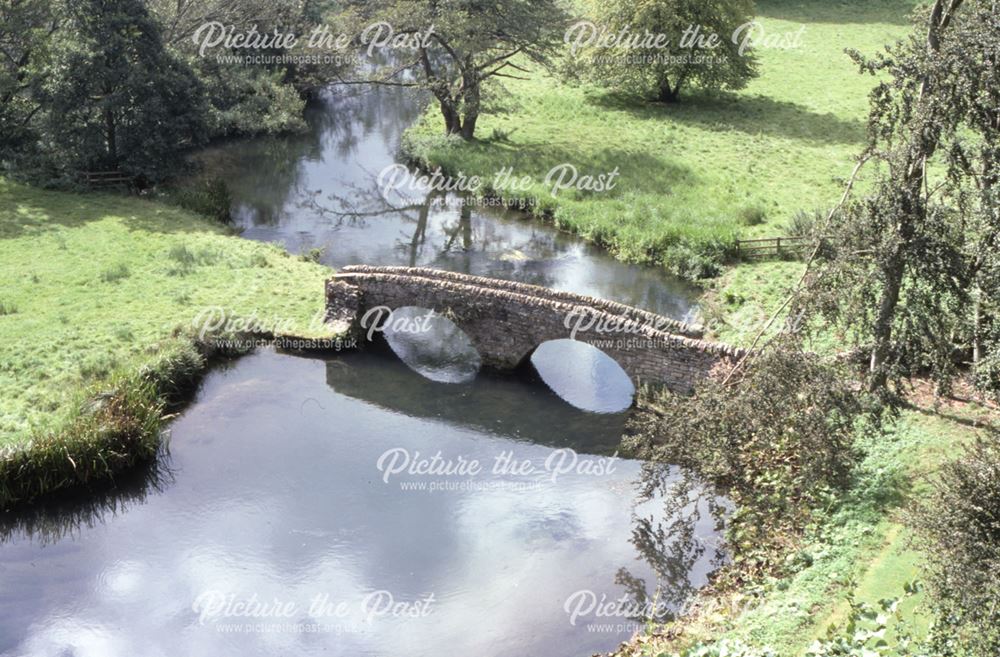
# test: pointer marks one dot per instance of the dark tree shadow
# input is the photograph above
(751, 115)
(893, 12)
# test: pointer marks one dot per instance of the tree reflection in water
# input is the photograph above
(671, 540)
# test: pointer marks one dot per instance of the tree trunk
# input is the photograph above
(923, 143)
(977, 319)
(668, 94)
(420, 234)
(452, 121)
(111, 136)
(882, 332)
(471, 100)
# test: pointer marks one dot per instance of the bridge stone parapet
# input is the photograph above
(507, 320)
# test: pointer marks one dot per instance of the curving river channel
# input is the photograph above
(354, 506)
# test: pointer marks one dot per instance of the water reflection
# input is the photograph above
(431, 345)
(277, 492)
(687, 531)
(584, 376)
(320, 190)
(67, 517)
(502, 404)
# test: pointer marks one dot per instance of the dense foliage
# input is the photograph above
(915, 281)
(114, 97)
(697, 46)
(120, 85)
(779, 441)
(454, 49)
(959, 528)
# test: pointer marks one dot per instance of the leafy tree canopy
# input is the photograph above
(453, 47)
(656, 48)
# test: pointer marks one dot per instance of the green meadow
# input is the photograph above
(695, 175)
(93, 283)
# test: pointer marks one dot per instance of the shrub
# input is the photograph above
(812, 225)
(752, 215)
(313, 255)
(959, 529)
(208, 196)
(806, 224)
(694, 262)
(779, 442)
(987, 371)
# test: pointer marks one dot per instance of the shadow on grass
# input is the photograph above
(752, 115)
(892, 12)
(26, 211)
(637, 171)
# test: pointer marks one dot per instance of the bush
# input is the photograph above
(779, 443)
(694, 262)
(752, 215)
(812, 225)
(208, 196)
(987, 371)
(959, 529)
(805, 224)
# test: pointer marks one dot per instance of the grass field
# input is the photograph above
(701, 171)
(92, 282)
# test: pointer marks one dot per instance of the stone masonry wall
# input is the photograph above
(506, 321)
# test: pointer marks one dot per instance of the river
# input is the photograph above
(352, 506)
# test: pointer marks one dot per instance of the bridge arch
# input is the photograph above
(430, 344)
(506, 320)
(583, 375)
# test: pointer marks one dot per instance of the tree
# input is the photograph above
(114, 96)
(958, 530)
(263, 98)
(916, 259)
(658, 47)
(452, 48)
(179, 19)
(25, 27)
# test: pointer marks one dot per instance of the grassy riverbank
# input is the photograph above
(95, 287)
(859, 550)
(695, 175)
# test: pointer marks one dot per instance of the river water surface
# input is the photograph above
(351, 505)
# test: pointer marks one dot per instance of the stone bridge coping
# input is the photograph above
(468, 286)
(639, 315)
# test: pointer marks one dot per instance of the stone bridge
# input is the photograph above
(507, 320)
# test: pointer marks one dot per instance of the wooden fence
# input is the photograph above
(774, 247)
(106, 178)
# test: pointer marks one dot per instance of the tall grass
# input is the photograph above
(113, 425)
(106, 433)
